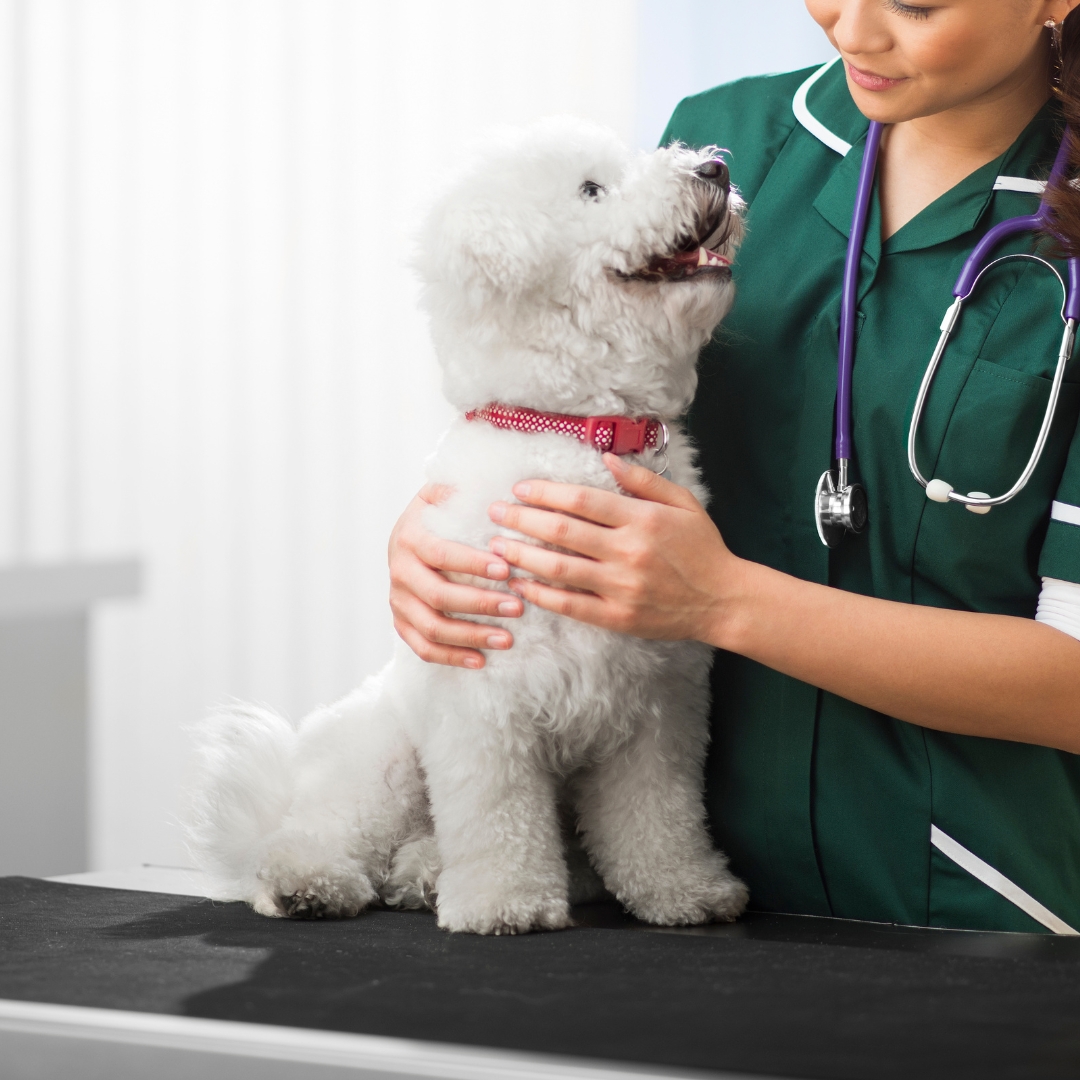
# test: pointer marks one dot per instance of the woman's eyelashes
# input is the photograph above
(910, 10)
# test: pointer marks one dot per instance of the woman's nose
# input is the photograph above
(714, 172)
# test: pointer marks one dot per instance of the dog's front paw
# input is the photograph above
(508, 917)
(469, 904)
(313, 895)
(712, 894)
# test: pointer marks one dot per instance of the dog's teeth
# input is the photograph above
(702, 257)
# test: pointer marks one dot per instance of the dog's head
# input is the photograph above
(564, 272)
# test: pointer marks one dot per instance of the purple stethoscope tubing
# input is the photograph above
(1039, 221)
(976, 264)
(849, 295)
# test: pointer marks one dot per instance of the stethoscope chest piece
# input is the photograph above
(839, 507)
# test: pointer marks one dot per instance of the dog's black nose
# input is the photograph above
(714, 172)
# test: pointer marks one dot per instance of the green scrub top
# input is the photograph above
(827, 807)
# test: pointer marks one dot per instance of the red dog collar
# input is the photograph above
(617, 434)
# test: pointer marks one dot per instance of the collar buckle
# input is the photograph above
(627, 435)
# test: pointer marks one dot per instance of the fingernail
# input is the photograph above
(509, 607)
(498, 545)
(497, 511)
(497, 570)
(522, 490)
(497, 641)
(473, 662)
(613, 461)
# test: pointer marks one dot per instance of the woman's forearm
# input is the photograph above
(973, 674)
(655, 566)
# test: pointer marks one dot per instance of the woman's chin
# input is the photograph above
(888, 106)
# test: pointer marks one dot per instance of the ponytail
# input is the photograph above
(1063, 196)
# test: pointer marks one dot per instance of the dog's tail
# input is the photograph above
(242, 793)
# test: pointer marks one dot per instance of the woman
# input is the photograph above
(894, 734)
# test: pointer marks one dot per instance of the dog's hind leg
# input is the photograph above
(240, 797)
(358, 795)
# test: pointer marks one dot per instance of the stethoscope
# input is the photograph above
(840, 506)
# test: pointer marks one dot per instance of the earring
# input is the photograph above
(1055, 54)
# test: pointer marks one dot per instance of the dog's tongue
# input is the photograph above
(699, 258)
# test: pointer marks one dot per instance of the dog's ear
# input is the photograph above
(481, 246)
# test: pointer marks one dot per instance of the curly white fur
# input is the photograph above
(461, 789)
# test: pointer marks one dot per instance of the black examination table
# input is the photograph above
(114, 983)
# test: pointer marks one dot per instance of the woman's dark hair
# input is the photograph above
(1064, 196)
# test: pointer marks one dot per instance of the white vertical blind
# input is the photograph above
(210, 351)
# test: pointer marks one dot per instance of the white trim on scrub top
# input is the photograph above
(997, 881)
(1060, 511)
(811, 122)
(833, 141)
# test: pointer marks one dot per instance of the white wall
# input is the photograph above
(210, 354)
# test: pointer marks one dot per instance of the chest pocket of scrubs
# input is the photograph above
(988, 562)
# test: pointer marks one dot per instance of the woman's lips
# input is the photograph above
(869, 81)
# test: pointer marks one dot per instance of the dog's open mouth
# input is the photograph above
(697, 256)
(686, 264)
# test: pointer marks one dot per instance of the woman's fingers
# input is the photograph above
(421, 594)
(645, 484)
(414, 578)
(593, 505)
(417, 622)
(433, 653)
(410, 540)
(418, 561)
(435, 493)
(589, 503)
(454, 558)
(554, 566)
(574, 605)
(552, 528)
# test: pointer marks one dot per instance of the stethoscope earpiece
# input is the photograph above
(940, 491)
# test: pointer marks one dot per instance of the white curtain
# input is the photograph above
(210, 352)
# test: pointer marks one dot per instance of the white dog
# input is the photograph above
(565, 278)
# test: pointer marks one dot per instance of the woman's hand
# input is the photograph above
(654, 566)
(420, 595)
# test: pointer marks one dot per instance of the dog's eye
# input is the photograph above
(591, 189)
